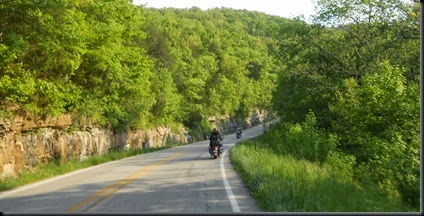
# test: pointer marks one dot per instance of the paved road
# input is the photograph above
(182, 179)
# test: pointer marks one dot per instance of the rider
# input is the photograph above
(215, 136)
(238, 130)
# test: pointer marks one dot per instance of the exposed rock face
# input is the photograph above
(27, 143)
(227, 125)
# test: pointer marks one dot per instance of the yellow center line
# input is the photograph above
(120, 183)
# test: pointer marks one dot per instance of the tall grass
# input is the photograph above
(282, 183)
(55, 168)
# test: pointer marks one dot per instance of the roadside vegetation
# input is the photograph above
(286, 183)
(349, 96)
(57, 167)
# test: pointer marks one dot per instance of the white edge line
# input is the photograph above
(54, 178)
(58, 177)
(230, 193)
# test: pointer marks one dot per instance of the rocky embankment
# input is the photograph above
(26, 143)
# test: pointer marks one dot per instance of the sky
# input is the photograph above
(283, 8)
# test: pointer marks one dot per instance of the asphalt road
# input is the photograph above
(182, 179)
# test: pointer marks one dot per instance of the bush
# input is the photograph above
(342, 164)
(306, 141)
(281, 183)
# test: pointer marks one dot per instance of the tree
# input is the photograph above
(41, 48)
(377, 122)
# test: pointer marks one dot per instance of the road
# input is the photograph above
(181, 179)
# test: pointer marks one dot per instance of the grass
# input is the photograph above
(285, 184)
(56, 168)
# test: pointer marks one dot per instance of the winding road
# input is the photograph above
(181, 179)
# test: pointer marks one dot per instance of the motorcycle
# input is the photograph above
(238, 134)
(215, 151)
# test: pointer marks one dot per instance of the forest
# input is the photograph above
(124, 66)
(346, 87)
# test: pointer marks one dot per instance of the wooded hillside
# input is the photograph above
(346, 86)
(130, 67)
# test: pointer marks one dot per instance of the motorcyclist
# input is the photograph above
(238, 131)
(215, 136)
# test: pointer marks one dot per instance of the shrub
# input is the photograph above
(306, 140)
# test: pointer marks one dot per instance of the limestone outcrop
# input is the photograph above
(26, 143)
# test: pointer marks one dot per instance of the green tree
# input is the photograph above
(348, 73)
(41, 48)
(378, 123)
(215, 63)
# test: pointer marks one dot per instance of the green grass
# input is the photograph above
(285, 184)
(56, 168)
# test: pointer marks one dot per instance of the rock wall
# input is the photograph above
(26, 143)
(227, 125)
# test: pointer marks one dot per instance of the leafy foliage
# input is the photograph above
(215, 64)
(376, 122)
(125, 66)
(282, 183)
(357, 77)
(306, 141)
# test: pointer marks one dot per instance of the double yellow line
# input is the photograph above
(108, 191)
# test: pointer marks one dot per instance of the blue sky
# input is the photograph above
(283, 8)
